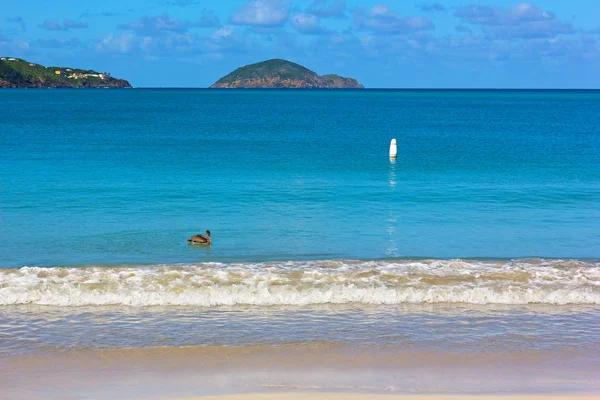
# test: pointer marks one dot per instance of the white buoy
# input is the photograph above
(393, 149)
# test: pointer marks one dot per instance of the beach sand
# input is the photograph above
(364, 396)
(308, 371)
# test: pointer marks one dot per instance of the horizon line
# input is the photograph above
(349, 89)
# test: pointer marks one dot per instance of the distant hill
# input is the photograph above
(279, 73)
(18, 73)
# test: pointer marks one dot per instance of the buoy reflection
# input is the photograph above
(392, 246)
(392, 173)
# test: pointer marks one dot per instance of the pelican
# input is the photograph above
(200, 239)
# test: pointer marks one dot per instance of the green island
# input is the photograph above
(278, 73)
(19, 73)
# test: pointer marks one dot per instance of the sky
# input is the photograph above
(381, 43)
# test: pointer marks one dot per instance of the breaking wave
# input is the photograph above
(304, 283)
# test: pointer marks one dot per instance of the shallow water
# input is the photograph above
(492, 329)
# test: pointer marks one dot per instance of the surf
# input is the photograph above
(306, 283)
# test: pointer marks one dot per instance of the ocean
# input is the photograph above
(483, 236)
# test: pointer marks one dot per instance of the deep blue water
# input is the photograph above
(126, 176)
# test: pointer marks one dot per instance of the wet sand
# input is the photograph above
(257, 372)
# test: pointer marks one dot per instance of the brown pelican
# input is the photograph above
(200, 239)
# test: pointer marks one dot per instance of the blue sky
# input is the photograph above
(382, 43)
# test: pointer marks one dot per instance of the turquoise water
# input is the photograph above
(483, 235)
(120, 177)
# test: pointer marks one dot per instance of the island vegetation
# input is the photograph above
(19, 73)
(278, 73)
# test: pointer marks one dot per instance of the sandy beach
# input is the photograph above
(297, 371)
(362, 396)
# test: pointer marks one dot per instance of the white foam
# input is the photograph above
(305, 283)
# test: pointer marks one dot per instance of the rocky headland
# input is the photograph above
(280, 74)
(19, 73)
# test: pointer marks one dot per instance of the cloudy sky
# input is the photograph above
(382, 43)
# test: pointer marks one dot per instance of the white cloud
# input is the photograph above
(308, 24)
(381, 20)
(525, 20)
(121, 44)
(262, 13)
(14, 47)
(165, 24)
(222, 40)
(319, 8)
(54, 25)
(223, 32)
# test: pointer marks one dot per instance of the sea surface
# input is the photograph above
(482, 236)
